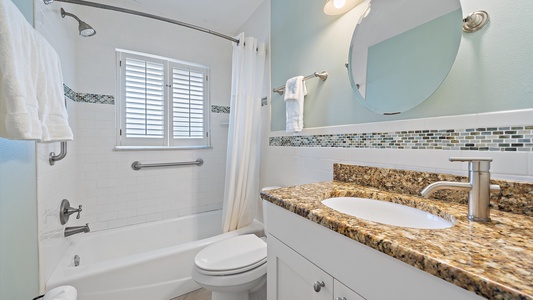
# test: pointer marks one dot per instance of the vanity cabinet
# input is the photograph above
(291, 276)
(302, 253)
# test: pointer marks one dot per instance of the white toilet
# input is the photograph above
(233, 269)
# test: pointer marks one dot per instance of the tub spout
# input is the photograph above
(76, 229)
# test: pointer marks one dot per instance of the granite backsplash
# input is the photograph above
(514, 197)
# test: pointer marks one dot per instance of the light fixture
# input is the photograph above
(337, 7)
(85, 29)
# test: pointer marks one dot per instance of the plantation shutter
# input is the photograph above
(144, 99)
(163, 103)
(188, 104)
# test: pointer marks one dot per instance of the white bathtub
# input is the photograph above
(150, 261)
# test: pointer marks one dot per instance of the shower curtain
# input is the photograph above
(242, 161)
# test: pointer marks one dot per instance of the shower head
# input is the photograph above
(85, 29)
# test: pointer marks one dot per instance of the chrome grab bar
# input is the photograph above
(137, 165)
(52, 158)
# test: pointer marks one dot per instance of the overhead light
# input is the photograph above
(337, 7)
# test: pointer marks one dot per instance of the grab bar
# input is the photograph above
(52, 158)
(322, 75)
(137, 165)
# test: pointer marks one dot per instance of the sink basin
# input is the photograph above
(387, 213)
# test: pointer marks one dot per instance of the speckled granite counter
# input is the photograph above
(494, 260)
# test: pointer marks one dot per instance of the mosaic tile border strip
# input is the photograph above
(69, 93)
(515, 138)
(217, 109)
(95, 98)
(88, 98)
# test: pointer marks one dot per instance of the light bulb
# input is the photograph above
(339, 3)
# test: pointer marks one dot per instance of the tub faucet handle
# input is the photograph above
(66, 210)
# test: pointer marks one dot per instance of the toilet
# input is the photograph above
(233, 269)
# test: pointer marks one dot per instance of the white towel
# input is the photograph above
(295, 92)
(31, 85)
(51, 95)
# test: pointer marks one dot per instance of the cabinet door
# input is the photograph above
(342, 292)
(292, 277)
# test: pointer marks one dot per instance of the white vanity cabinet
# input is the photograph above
(291, 276)
(302, 255)
(294, 277)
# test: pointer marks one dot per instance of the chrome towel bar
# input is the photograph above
(322, 75)
(137, 165)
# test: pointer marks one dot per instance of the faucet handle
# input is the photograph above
(79, 212)
(475, 164)
(470, 159)
(65, 211)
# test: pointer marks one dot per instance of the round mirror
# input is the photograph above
(402, 50)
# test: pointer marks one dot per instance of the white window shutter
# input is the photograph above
(144, 99)
(163, 102)
(189, 104)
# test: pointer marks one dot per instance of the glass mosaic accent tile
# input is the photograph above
(516, 138)
(95, 98)
(69, 93)
(220, 109)
(88, 98)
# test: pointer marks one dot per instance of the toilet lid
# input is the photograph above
(234, 255)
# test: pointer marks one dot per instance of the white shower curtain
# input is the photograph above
(242, 162)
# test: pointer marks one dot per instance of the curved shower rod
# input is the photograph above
(142, 14)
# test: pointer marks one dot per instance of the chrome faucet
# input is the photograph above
(478, 187)
(76, 229)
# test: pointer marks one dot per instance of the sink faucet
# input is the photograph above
(76, 229)
(478, 187)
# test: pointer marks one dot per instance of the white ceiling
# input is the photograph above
(224, 16)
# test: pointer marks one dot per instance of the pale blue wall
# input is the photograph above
(19, 264)
(492, 71)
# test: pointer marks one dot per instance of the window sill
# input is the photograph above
(158, 148)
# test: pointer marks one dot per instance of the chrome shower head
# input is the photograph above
(85, 29)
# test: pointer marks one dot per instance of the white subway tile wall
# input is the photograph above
(54, 183)
(58, 182)
(115, 195)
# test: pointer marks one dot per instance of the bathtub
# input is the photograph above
(151, 261)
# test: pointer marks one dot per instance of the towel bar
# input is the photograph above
(322, 75)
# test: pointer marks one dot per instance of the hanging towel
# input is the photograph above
(295, 92)
(31, 84)
(50, 94)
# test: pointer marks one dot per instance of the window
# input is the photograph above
(161, 102)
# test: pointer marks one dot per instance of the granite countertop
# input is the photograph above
(494, 260)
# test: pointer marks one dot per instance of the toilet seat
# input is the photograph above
(232, 256)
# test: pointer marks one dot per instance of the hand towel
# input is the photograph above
(31, 85)
(295, 91)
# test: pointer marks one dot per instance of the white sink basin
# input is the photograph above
(386, 213)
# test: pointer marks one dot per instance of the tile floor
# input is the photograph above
(201, 294)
